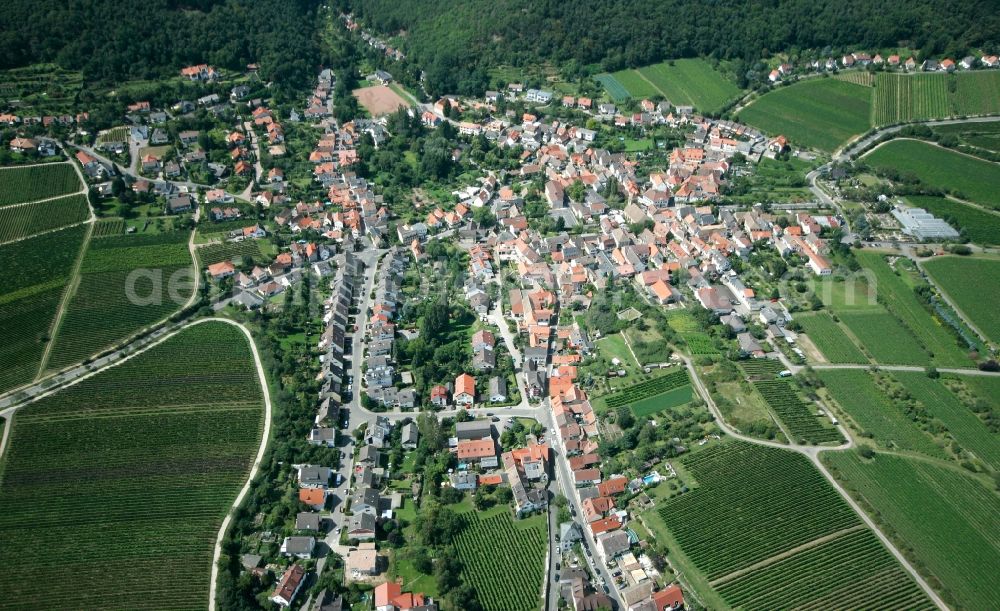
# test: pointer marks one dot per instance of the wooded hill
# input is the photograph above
(454, 41)
(115, 40)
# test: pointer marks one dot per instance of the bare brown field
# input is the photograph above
(379, 100)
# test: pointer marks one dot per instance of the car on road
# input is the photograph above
(495, 419)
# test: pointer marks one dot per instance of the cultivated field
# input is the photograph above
(762, 516)
(137, 467)
(900, 98)
(685, 82)
(654, 395)
(978, 225)
(830, 339)
(964, 176)
(101, 312)
(28, 219)
(34, 273)
(964, 425)
(225, 251)
(380, 100)
(946, 518)
(819, 113)
(873, 326)
(503, 560)
(968, 282)
(30, 183)
(761, 369)
(797, 414)
(857, 394)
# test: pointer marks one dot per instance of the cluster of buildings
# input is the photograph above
(380, 372)
(372, 40)
(892, 62)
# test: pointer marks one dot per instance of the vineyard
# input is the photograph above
(946, 518)
(648, 388)
(900, 98)
(226, 251)
(30, 183)
(966, 177)
(819, 113)
(126, 283)
(901, 301)
(871, 327)
(137, 467)
(691, 82)
(761, 369)
(34, 274)
(699, 344)
(970, 432)
(754, 503)
(616, 90)
(978, 93)
(823, 578)
(104, 228)
(503, 560)
(830, 339)
(798, 414)
(858, 77)
(28, 219)
(858, 395)
(966, 280)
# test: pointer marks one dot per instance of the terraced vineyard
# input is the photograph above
(858, 395)
(28, 219)
(34, 273)
(798, 415)
(30, 183)
(503, 560)
(125, 285)
(137, 467)
(947, 519)
(830, 339)
(754, 504)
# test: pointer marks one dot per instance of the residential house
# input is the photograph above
(289, 585)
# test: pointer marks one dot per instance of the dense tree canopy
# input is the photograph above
(115, 40)
(456, 40)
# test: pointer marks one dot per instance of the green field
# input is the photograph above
(226, 251)
(873, 326)
(685, 82)
(31, 183)
(797, 414)
(125, 285)
(899, 298)
(857, 394)
(818, 113)
(947, 519)
(692, 82)
(34, 273)
(502, 559)
(964, 176)
(137, 467)
(753, 504)
(830, 339)
(616, 90)
(21, 221)
(900, 98)
(984, 134)
(968, 282)
(666, 400)
(979, 226)
(970, 432)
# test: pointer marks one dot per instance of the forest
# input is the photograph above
(456, 41)
(113, 41)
